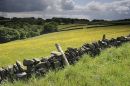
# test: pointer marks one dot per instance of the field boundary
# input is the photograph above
(40, 66)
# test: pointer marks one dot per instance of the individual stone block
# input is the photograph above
(57, 65)
(15, 68)
(20, 66)
(36, 61)
(3, 73)
(41, 68)
(10, 69)
(44, 59)
(55, 53)
(41, 71)
(21, 75)
(27, 62)
(127, 38)
(41, 65)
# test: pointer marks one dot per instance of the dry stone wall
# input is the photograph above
(40, 66)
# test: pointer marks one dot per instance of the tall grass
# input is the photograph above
(111, 68)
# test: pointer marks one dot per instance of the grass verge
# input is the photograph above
(111, 68)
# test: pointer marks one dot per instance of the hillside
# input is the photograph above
(111, 68)
(42, 45)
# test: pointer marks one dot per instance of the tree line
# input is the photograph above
(22, 28)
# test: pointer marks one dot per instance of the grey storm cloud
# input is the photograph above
(67, 4)
(33, 5)
(94, 9)
(22, 5)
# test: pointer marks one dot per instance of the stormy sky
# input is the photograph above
(91, 9)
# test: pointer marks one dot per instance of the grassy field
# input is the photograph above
(111, 68)
(41, 46)
(71, 27)
(66, 27)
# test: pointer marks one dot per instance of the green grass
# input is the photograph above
(111, 68)
(41, 46)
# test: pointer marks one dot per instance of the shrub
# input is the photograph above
(8, 34)
(23, 34)
(50, 27)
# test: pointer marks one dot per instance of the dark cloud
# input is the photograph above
(94, 9)
(34, 5)
(67, 4)
(22, 5)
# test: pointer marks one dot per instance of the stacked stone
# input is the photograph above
(41, 66)
(13, 72)
(74, 54)
(96, 47)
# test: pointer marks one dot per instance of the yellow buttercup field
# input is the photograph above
(41, 46)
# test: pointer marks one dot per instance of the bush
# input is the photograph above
(8, 34)
(33, 34)
(50, 27)
(23, 34)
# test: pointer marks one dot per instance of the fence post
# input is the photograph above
(62, 52)
(104, 37)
